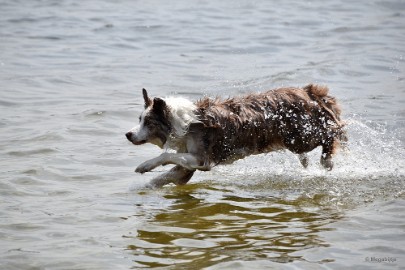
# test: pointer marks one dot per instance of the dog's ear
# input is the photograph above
(159, 105)
(148, 101)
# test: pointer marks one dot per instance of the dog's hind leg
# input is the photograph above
(177, 175)
(326, 157)
(304, 159)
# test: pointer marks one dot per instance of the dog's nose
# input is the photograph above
(129, 135)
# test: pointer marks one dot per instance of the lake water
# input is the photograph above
(71, 74)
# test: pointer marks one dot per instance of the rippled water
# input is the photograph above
(71, 74)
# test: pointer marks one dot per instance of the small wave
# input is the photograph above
(46, 37)
(7, 103)
(32, 152)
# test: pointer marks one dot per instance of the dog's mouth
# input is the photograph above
(139, 142)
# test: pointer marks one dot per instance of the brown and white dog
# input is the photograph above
(214, 131)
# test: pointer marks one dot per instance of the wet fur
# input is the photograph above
(224, 130)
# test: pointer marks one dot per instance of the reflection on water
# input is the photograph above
(207, 225)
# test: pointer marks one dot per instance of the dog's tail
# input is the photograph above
(319, 93)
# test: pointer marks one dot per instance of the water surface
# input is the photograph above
(71, 75)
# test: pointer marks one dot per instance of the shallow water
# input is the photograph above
(71, 75)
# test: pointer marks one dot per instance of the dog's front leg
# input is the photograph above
(185, 160)
(177, 175)
(149, 165)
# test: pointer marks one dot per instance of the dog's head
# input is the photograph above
(154, 125)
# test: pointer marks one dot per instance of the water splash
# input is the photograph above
(372, 168)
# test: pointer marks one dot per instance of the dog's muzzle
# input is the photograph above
(130, 138)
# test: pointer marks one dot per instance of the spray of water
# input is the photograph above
(371, 168)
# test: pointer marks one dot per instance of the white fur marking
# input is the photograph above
(182, 114)
(139, 132)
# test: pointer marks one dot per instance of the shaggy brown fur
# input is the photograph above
(292, 118)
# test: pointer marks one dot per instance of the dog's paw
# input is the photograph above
(142, 169)
(152, 186)
(145, 167)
